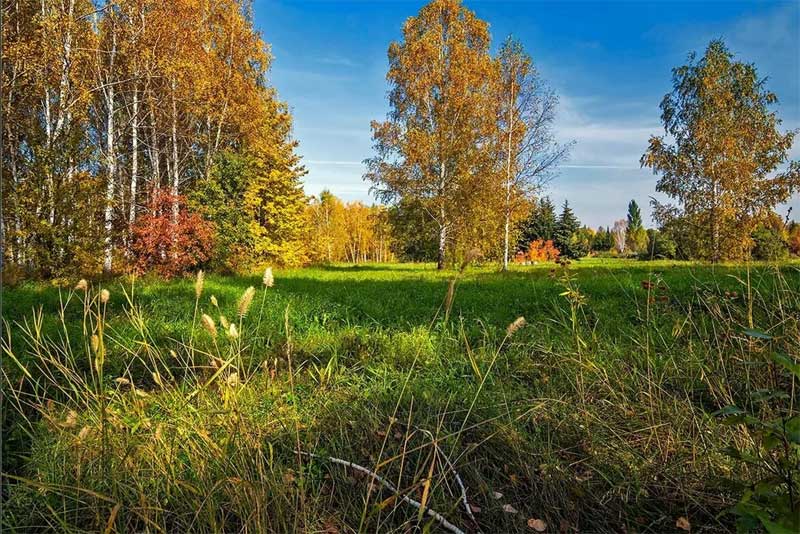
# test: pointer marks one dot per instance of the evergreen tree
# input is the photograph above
(636, 238)
(566, 227)
(603, 240)
(540, 224)
(634, 216)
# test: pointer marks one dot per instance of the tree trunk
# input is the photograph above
(175, 171)
(508, 177)
(134, 155)
(442, 219)
(111, 159)
(715, 252)
(442, 246)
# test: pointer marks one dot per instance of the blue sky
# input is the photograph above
(610, 63)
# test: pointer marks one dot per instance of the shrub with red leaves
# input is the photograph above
(167, 244)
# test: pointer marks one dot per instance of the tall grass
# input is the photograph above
(578, 420)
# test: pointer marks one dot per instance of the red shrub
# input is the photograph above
(540, 250)
(167, 244)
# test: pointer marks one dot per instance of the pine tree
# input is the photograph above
(565, 230)
(634, 216)
(540, 224)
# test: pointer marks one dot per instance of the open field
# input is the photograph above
(596, 415)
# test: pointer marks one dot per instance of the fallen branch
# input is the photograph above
(388, 485)
(455, 474)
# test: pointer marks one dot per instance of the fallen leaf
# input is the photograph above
(507, 508)
(537, 524)
(475, 508)
(497, 495)
(330, 527)
(683, 524)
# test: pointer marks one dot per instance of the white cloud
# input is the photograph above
(600, 142)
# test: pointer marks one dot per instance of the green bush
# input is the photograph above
(768, 244)
(660, 246)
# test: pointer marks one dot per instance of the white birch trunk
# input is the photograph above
(134, 155)
(111, 158)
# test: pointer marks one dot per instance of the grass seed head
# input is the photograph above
(208, 324)
(214, 301)
(223, 321)
(518, 323)
(246, 301)
(232, 331)
(269, 280)
(82, 285)
(233, 379)
(198, 284)
(104, 295)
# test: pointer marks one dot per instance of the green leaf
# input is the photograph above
(729, 410)
(793, 429)
(775, 528)
(786, 362)
(756, 334)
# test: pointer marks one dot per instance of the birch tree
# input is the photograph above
(437, 136)
(722, 166)
(527, 145)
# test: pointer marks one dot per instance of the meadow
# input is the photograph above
(391, 397)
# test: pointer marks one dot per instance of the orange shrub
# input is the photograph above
(540, 250)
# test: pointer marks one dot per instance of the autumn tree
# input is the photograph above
(326, 230)
(722, 163)
(526, 141)
(107, 102)
(436, 145)
(167, 244)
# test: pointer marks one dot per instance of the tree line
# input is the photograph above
(143, 135)
(468, 140)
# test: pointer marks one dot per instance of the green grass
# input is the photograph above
(597, 415)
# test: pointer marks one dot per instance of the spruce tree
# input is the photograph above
(634, 216)
(566, 227)
(540, 224)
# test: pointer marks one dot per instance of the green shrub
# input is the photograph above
(660, 246)
(768, 244)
